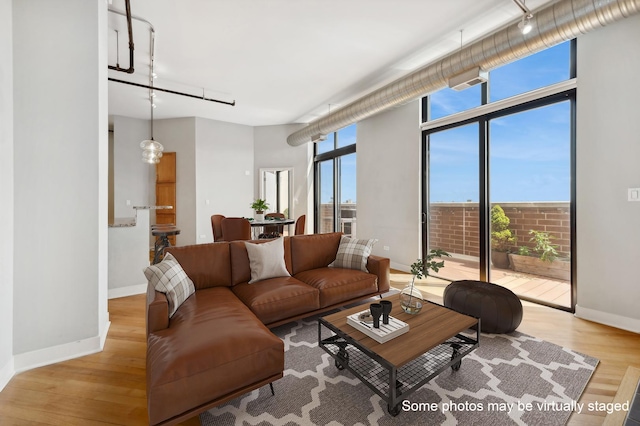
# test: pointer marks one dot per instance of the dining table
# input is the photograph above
(258, 225)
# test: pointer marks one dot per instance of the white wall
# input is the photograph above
(129, 256)
(212, 159)
(60, 179)
(224, 156)
(100, 55)
(608, 151)
(6, 194)
(130, 173)
(271, 150)
(178, 135)
(389, 183)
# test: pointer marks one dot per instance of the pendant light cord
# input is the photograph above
(151, 77)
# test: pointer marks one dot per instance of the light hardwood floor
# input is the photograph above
(108, 388)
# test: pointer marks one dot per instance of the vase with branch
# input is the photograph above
(411, 298)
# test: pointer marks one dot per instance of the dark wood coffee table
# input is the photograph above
(399, 367)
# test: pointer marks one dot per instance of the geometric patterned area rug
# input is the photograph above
(510, 379)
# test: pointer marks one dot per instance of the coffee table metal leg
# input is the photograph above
(343, 358)
(393, 405)
(454, 354)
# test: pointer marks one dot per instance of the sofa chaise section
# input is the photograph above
(208, 356)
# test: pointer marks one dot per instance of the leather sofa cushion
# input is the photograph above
(278, 298)
(338, 285)
(313, 251)
(240, 268)
(207, 265)
(213, 346)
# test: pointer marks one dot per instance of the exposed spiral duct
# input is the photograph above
(559, 22)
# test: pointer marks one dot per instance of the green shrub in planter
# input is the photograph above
(501, 236)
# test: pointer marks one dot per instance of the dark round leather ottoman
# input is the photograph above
(498, 308)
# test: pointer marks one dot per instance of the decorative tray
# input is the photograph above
(362, 321)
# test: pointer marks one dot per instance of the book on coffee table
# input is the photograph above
(383, 334)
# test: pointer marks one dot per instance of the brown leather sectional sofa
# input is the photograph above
(217, 346)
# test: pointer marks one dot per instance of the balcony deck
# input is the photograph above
(544, 289)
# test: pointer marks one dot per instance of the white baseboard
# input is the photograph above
(59, 353)
(606, 318)
(131, 290)
(6, 373)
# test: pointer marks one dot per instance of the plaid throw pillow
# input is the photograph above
(353, 253)
(168, 277)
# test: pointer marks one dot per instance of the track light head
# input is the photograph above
(525, 24)
(318, 138)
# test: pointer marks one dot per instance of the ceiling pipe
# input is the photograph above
(152, 52)
(131, 49)
(173, 92)
(559, 22)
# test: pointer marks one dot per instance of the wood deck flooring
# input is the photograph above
(549, 290)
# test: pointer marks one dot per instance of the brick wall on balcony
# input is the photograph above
(454, 226)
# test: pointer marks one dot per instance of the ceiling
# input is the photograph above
(284, 61)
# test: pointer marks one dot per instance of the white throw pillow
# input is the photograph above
(266, 260)
(168, 277)
(353, 253)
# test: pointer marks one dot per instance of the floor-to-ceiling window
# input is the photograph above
(335, 177)
(498, 192)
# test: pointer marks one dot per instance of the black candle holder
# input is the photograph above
(376, 313)
(386, 310)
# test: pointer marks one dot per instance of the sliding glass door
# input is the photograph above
(325, 194)
(453, 198)
(498, 191)
(530, 187)
(335, 177)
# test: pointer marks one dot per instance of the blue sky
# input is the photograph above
(530, 151)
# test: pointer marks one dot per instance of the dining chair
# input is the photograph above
(236, 228)
(300, 224)
(216, 227)
(272, 231)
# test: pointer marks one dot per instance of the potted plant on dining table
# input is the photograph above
(260, 206)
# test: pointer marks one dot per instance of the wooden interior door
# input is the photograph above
(166, 190)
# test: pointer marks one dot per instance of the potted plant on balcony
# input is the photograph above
(410, 297)
(542, 259)
(501, 237)
(260, 206)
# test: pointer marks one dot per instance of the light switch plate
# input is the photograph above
(633, 194)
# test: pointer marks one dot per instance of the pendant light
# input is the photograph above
(151, 150)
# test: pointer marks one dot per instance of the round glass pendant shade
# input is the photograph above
(151, 157)
(151, 151)
(151, 145)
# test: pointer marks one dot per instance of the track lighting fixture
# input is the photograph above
(318, 138)
(525, 24)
